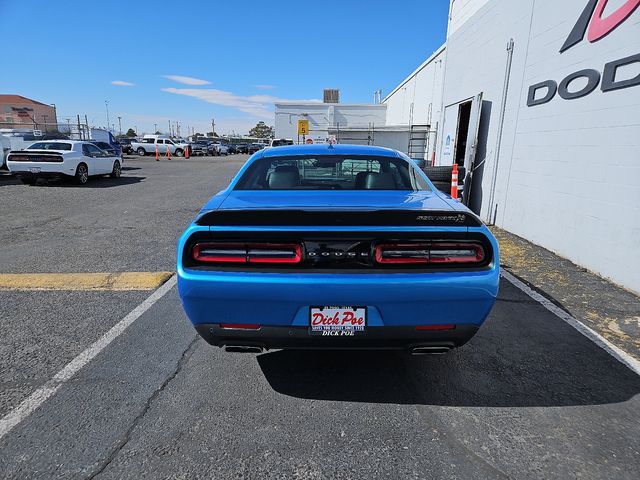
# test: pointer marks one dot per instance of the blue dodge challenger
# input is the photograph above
(336, 246)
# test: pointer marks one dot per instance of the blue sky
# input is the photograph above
(192, 60)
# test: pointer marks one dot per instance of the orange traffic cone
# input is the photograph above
(186, 151)
(157, 154)
(168, 153)
(454, 181)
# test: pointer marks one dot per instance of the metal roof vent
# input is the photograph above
(331, 95)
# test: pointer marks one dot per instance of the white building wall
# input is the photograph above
(567, 174)
(417, 100)
(462, 10)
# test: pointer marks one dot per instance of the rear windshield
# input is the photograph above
(280, 143)
(49, 146)
(331, 172)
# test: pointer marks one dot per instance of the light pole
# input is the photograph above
(155, 128)
(120, 125)
(55, 116)
(106, 105)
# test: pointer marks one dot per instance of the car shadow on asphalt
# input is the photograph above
(94, 182)
(523, 356)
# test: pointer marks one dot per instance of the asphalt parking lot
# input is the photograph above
(528, 397)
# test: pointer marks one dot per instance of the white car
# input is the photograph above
(220, 148)
(62, 158)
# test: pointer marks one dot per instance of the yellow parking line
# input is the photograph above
(83, 281)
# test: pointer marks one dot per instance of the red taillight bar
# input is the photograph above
(240, 326)
(425, 253)
(248, 253)
(447, 326)
(220, 252)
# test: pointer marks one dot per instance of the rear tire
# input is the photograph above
(82, 174)
(142, 152)
(117, 170)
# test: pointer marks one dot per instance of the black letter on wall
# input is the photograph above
(550, 85)
(593, 78)
(609, 75)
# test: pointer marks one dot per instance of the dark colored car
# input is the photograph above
(241, 148)
(113, 150)
(125, 145)
(232, 149)
(254, 147)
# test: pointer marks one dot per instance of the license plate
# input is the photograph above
(34, 169)
(333, 321)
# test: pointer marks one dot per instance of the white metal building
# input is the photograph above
(326, 118)
(540, 99)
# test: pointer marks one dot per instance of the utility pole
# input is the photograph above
(178, 129)
(120, 125)
(169, 127)
(155, 128)
(80, 135)
(213, 127)
(106, 105)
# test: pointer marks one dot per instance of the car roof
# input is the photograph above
(326, 149)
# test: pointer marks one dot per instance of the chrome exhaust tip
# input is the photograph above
(429, 350)
(242, 349)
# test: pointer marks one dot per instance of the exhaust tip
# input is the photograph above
(429, 350)
(242, 349)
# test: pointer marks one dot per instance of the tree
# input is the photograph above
(261, 130)
(158, 132)
(130, 133)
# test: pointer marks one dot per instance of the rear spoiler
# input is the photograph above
(309, 218)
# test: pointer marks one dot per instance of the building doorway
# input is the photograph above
(462, 133)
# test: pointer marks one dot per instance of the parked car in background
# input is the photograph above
(63, 158)
(218, 148)
(114, 150)
(232, 149)
(125, 144)
(254, 147)
(280, 142)
(241, 148)
(149, 143)
(5, 148)
(199, 147)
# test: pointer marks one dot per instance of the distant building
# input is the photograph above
(327, 119)
(19, 112)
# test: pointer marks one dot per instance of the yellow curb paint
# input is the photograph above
(83, 281)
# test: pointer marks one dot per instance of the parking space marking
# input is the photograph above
(83, 281)
(620, 355)
(41, 394)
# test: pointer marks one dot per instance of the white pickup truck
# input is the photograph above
(148, 146)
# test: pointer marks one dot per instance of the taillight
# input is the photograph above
(426, 253)
(446, 326)
(240, 326)
(283, 253)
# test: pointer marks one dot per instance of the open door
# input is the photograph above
(472, 132)
(460, 132)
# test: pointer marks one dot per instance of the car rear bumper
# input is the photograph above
(392, 300)
(374, 338)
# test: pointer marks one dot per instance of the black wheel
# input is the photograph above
(179, 152)
(142, 152)
(82, 174)
(117, 170)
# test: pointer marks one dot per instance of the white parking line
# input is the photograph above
(38, 397)
(592, 335)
